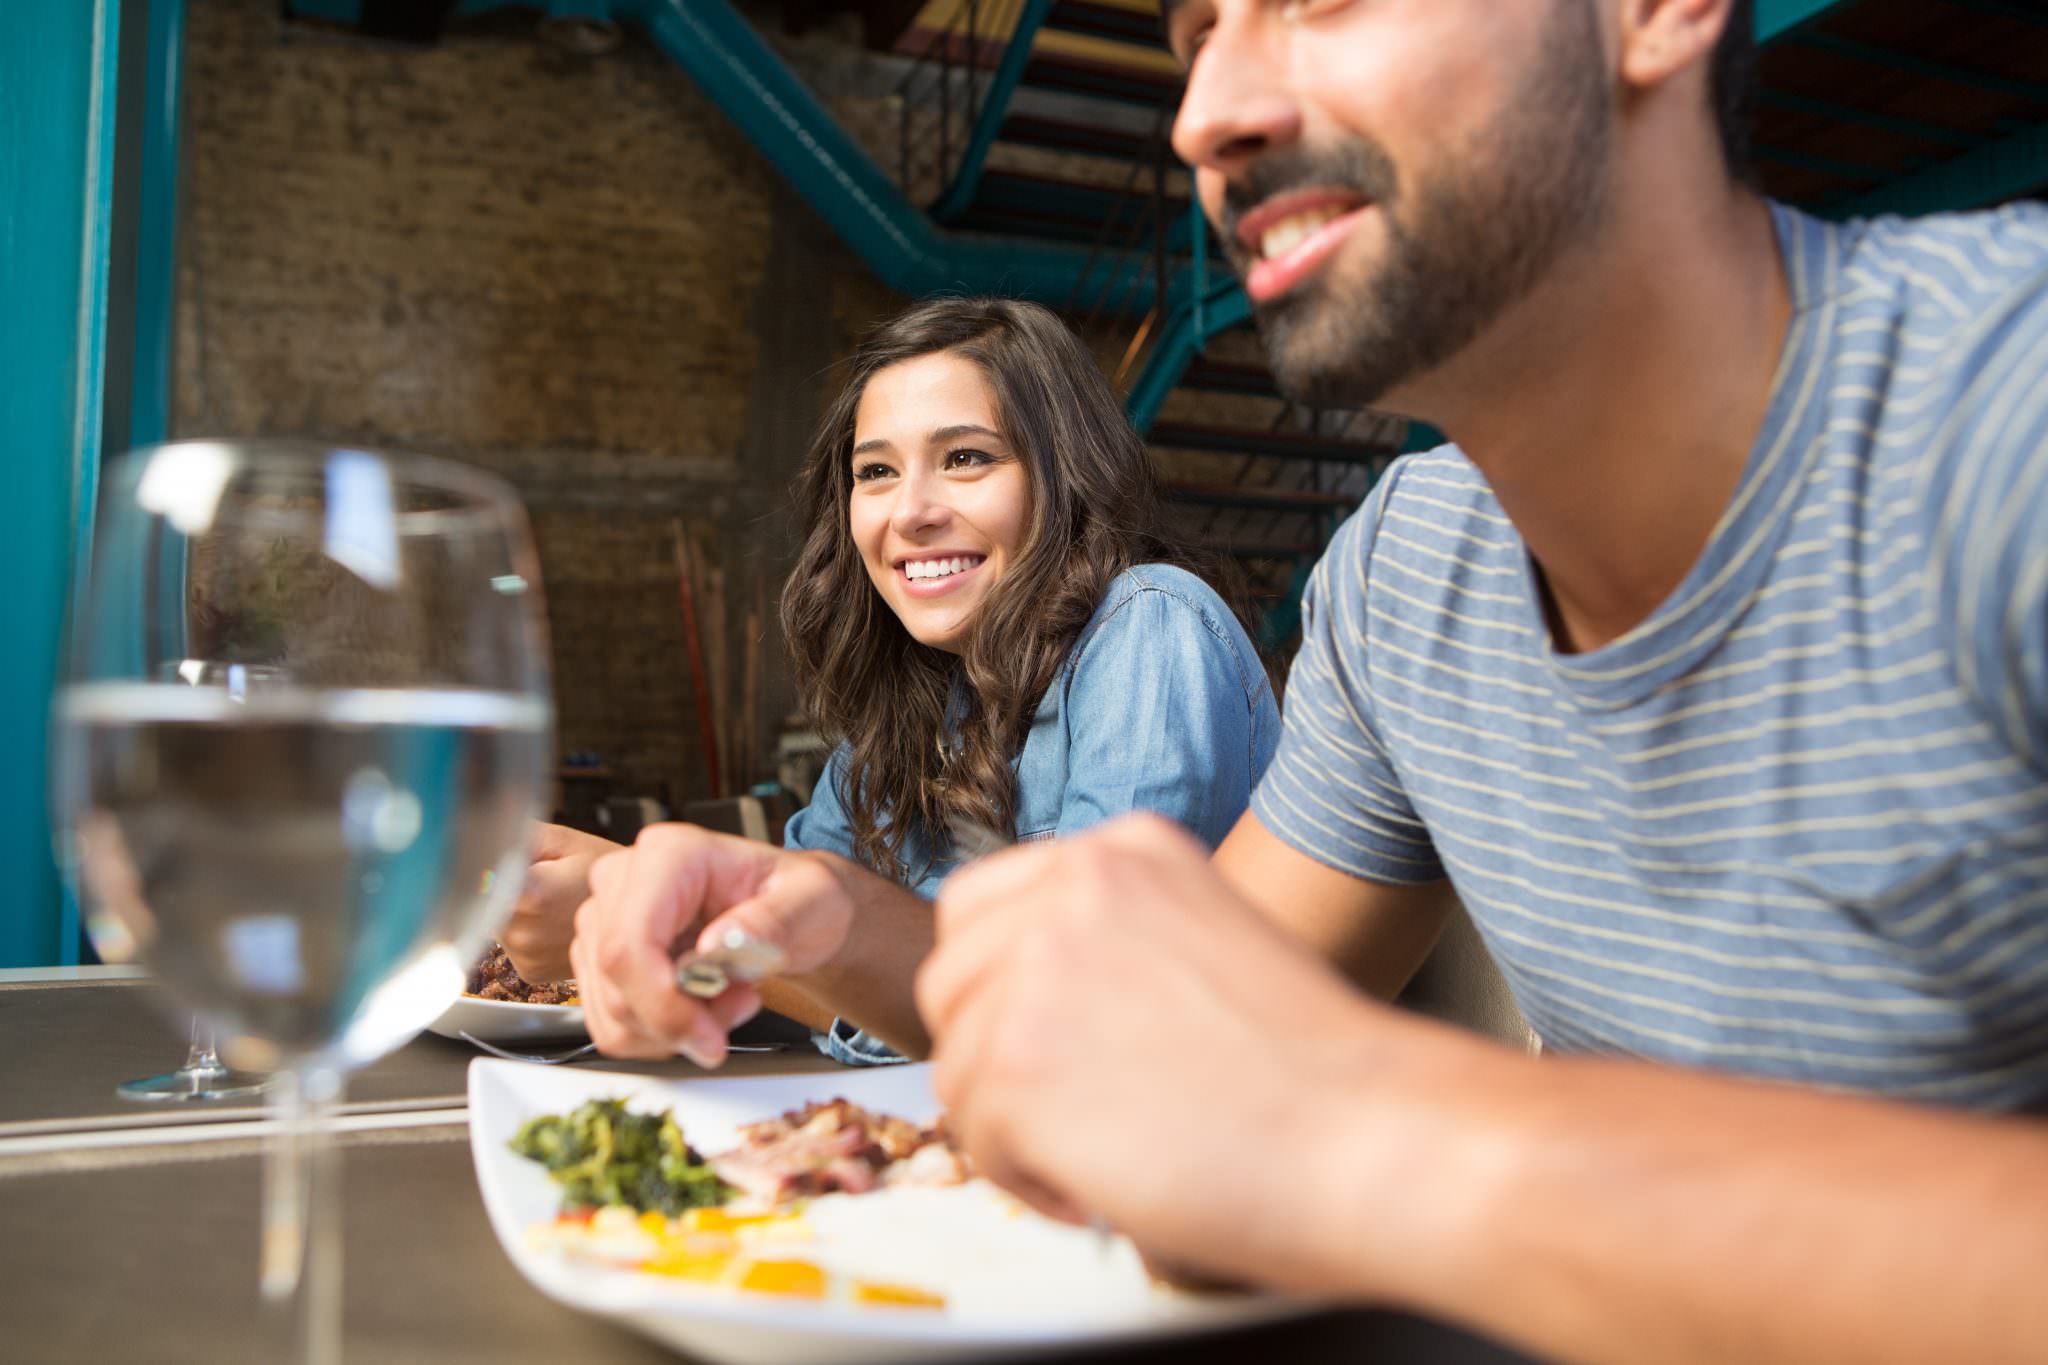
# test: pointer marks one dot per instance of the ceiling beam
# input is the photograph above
(2014, 165)
(1775, 18)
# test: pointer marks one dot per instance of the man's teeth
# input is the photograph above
(940, 568)
(1291, 231)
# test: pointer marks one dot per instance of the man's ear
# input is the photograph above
(1661, 38)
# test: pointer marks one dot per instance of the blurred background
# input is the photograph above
(612, 250)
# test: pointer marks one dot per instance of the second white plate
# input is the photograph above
(508, 1021)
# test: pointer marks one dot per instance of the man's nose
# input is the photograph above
(1237, 104)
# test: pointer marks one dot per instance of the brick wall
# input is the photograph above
(573, 272)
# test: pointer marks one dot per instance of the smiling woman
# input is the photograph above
(989, 617)
(979, 509)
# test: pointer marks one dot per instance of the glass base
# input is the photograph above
(193, 1083)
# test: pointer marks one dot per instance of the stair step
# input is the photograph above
(1261, 549)
(1068, 198)
(1107, 21)
(1008, 222)
(1080, 76)
(1259, 499)
(1015, 204)
(1085, 139)
(1224, 376)
(1292, 445)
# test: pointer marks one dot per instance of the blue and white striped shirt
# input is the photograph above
(1795, 824)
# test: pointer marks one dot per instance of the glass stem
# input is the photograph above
(200, 1056)
(301, 1260)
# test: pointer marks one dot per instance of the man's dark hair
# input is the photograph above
(1732, 86)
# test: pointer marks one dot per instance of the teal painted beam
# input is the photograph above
(1775, 18)
(994, 109)
(2014, 165)
(1967, 77)
(1179, 340)
(57, 82)
(806, 145)
(1918, 129)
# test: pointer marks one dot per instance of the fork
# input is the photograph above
(555, 1060)
(577, 1054)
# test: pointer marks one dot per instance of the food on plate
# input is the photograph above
(837, 1148)
(495, 978)
(602, 1156)
(768, 1217)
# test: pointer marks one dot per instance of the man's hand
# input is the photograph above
(543, 921)
(1119, 1035)
(678, 886)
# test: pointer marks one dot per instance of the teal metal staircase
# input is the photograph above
(1032, 160)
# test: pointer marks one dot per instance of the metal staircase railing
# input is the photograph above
(952, 98)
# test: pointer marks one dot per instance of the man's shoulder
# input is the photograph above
(1944, 274)
(1433, 506)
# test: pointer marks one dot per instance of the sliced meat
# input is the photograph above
(836, 1147)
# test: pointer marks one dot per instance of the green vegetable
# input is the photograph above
(602, 1155)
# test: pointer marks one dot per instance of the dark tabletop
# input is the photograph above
(118, 1248)
(63, 1049)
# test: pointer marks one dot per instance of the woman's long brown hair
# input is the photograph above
(1095, 511)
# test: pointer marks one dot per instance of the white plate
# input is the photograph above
(724, 1325)
(509, 1021)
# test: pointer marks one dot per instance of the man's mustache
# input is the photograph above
(1357, 165)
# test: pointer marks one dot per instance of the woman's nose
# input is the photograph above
(920, 506)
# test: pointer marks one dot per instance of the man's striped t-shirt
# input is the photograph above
(1795, 824)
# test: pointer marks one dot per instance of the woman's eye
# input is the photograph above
(967, 459)
(868, 473)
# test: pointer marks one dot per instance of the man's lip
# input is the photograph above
(1251, 228)
(1266, 280)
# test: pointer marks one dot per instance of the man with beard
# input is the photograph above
(1709, 669)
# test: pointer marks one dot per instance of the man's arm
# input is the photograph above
(1376, 933)
(1618, 1212)
(1586, 1210)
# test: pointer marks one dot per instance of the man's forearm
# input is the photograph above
(870, 980)
(1616, 1212)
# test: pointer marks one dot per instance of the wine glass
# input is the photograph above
(307, 867)
(203, 1076)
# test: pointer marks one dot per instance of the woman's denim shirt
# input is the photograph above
(1162, 705)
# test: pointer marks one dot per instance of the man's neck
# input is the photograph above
(1614, 412)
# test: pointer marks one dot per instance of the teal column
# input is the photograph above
(57, 84)
(156, 216)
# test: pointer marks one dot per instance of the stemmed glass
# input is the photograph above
(203, 1076)
(307, 868)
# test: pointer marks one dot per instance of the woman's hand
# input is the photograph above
(679, 886)
(543, 922)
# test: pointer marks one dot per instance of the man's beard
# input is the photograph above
(1460, 251)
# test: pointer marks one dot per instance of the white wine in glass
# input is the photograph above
(309, 866)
